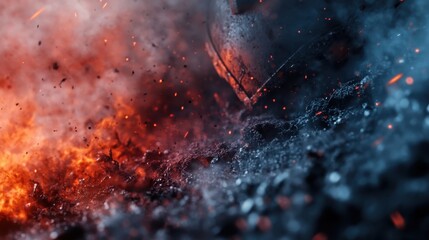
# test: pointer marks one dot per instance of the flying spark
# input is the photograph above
(398, 220)
(395, 79)
(36, 14)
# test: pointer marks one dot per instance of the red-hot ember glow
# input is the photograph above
(75, 117)
(409, 80)
(36, 14)
(395, 79)
(398, 220)
(48, 134)
(320, 236)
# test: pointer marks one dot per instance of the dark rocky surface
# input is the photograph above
(343, 176)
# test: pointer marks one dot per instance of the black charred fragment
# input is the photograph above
(126, 177)
(131, 149)
(62, 81)
(39, 195)
(112, 165)
(55, 66)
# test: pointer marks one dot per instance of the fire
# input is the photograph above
(81, 105)
(34, 160)
(67, 114)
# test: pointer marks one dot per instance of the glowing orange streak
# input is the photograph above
(395, 79)
(36, 14)
(398, 220)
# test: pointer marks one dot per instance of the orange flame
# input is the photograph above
(66, 120)
(76, 120)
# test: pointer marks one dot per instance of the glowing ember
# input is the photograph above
(409, 80)
(76, 119)
(48, 135)
(36, 14)
(320, 236)
(397, 220)
(395, 79)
